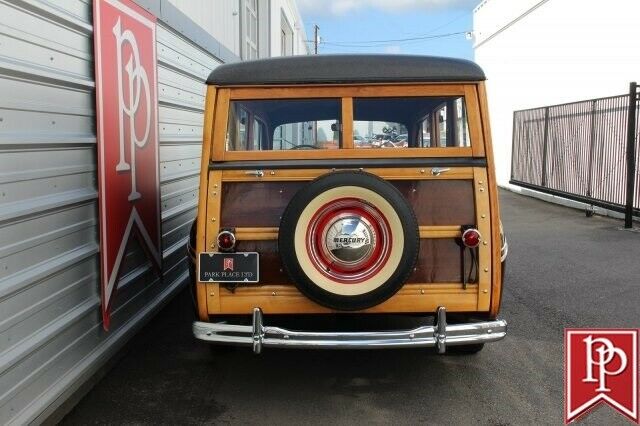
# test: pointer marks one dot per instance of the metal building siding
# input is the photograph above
(221, 18)
(51, 336)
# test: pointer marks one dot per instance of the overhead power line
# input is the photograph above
(377, 43)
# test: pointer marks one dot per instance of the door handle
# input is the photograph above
(436, 171)
(257, 173)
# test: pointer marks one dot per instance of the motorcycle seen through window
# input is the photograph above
(420, 122)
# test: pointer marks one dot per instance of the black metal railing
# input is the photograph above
(581, 151)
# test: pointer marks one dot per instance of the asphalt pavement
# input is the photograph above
(564, 270)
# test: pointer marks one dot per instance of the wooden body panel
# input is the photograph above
(439, 261)
(253, 206)
(261, 204)
(279, 299)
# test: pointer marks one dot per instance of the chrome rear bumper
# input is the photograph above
(439, 335)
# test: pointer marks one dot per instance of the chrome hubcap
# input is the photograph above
(350, 240)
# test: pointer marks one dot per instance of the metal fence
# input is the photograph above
(581, 151)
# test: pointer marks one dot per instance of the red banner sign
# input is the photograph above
(601, 365)
(127, 115)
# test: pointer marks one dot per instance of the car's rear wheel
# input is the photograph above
(349, 240)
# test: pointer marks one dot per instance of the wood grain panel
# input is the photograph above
(440, 202)
(439, 261)
(256, 204)
(271, 271)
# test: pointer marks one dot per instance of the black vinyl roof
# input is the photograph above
(345, 69)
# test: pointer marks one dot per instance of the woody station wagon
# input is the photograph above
(348, 185)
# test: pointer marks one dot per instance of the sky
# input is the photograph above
(435, 27)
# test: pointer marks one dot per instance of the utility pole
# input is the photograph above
(316, 38)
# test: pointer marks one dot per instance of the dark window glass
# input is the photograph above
(284, 124)
(420, 122)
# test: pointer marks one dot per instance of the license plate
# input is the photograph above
(228, 267)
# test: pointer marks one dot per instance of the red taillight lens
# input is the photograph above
(471, 238)
(226, 240)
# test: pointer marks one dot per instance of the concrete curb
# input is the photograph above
(564, 202)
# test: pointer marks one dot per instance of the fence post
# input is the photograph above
(592, 137)
(631, 154)
(544, 148)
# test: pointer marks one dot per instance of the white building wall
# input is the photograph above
(219, 18)
(223, 19)
(544, 52)
(289, 10)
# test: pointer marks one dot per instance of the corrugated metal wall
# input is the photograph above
(51, 337)
(220, 18)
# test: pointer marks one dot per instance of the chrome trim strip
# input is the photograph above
(440, 335)
(349, 163)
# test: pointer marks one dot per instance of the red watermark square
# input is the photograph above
(601, 365)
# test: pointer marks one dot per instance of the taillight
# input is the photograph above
(471, 238)
(226, 240)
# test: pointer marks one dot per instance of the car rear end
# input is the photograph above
(296, 218)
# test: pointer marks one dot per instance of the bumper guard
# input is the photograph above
(439, 335)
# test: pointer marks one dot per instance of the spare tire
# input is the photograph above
(348, 240)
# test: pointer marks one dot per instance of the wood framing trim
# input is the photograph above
(474, 121)
(266, 234)
(213, 197)
(220, 126)
(279, 299)
(365, 91)
(456, 173)
(453, 231)
(483, 222)
(256, 234)
(346, 132)
(342, 153)
(201, 220)
(496, 291)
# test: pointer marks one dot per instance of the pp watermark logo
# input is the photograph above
(601, 365)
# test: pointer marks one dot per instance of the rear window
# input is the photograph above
(284, 124)
(412, 122)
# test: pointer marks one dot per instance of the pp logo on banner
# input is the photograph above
(127, 110)
(601, 365)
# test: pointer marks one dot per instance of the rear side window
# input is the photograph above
(284, 124)
(413, 122)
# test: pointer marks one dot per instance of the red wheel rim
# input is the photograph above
(348, 240)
